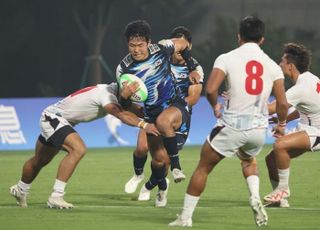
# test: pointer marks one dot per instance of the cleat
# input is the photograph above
(144, 194)
(58, 202)
(260, 214)
(283, 203)
(20, 196)
(179, 222)
(133, 183)
(178, 175)
(278, 194)
(161, 198)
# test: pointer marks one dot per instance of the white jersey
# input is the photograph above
(86, 104)
(250, 74)
(305, 97)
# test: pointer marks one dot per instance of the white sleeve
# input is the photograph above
(294, 95)
(200, 72)
(278, 74)
(119, 71)
(220, 63)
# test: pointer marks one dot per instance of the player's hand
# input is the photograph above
(128, 89)
(217, 110)
(225, 95)
(278, 131)
(151, 129)
(194, 77)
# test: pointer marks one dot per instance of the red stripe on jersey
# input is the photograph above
(83, 90)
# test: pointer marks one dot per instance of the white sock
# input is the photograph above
(274, 184)
(284, 177)
(58, 188)
(24, 187)
(253, 185)
(189, 204)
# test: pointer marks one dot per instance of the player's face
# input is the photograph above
(285, 66)
(138, 48)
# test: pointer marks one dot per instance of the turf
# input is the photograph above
(97, 191)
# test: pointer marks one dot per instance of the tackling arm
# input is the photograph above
(130, 118)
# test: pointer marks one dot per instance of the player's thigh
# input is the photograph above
(171, 116)
(209, 157)
(74, 144)
(44, 153)
(295, 143)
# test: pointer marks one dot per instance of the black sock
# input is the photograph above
(170, 143)
(138, 163)
(158, 177)
(152, 182)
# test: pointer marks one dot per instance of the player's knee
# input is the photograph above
(79, 151)
(163, 124)
(279, 145)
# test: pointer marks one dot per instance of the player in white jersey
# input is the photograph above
(304, 96)
(57, 133)
(241, 128)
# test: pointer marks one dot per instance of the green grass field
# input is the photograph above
(97, 191)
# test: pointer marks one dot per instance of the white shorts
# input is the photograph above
(313, 133)
(54, 129)
(228, 141)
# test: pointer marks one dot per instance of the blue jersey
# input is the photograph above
(181, 74)
(156, 74)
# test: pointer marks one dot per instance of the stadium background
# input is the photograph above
(49, 49)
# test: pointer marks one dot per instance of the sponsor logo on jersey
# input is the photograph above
(153, 48)
(127, 60)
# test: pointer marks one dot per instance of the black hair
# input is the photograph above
(138, 28)
(251, 29)
(298, 55)
(181, 31)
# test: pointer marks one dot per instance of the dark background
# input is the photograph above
(52, 48)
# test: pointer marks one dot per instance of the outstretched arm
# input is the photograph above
(130, 118)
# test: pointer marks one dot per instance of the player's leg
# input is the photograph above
(43, 155)
(139, 159)
(76, 149)
(270, 160)
(159, 166)
(285, 148)
(254, 141)
(167, 122)
(209, 158)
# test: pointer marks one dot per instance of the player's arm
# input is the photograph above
(281, 107)
(194, 92)
(281, 100)
(182, 45)
(130, 118)
(215, 79)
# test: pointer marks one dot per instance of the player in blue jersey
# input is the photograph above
(164, 107)
(191, 94)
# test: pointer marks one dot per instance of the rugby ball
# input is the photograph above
(142, 93)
